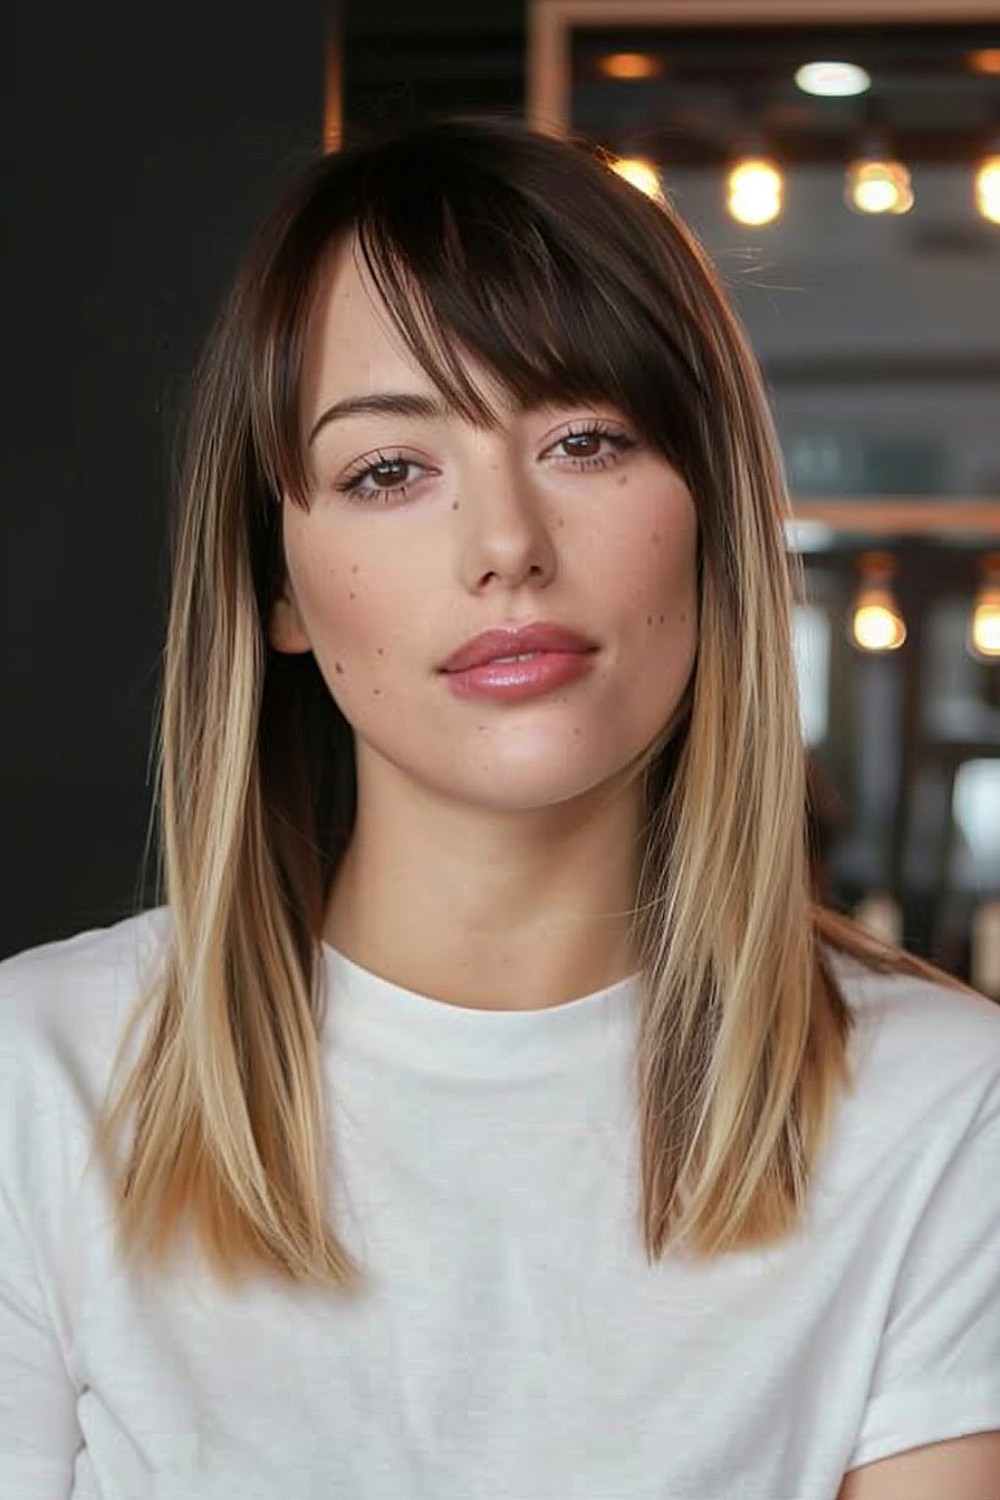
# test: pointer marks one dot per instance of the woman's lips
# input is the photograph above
(516, 640)
(510, 681)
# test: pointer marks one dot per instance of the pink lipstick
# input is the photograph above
(519, 662)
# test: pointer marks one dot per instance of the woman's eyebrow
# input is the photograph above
(387, 403)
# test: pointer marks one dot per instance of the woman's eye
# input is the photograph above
(385, 478)
(594, 447)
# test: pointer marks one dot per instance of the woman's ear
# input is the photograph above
(286, 632)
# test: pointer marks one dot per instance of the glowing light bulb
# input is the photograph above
(832, 80)
(984, 626)
(988, 189)
(754, 190)
(630, 65)
(875, 185)
(985, 60)
(641, 173)
(876, 623)
(877, 627)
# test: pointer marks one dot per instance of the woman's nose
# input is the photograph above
(504, 524)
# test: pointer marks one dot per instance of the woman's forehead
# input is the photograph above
(347, 307)
(355, 345)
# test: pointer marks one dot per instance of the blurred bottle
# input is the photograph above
(984, 965)
(880, 915)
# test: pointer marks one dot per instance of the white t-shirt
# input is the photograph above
(512, 1343)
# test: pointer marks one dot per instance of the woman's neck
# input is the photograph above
(488, 919)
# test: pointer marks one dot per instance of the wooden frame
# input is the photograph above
(902, 517)
(550, 27)
(333, 75)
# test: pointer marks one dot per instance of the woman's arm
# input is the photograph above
(965, 1468)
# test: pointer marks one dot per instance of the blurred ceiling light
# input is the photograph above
(988, 188)
(985, 60)
(874, 183)
(832, 80)
(754, 190)
(876, 623)
(984, 626)
(641, 173)
(630, 65)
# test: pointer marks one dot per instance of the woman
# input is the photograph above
(492, 1113)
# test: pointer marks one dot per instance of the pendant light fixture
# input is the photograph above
(875, 182)
(988, 184)
(984, 624)
(876, 621)
(755, 183)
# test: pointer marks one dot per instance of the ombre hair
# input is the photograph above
(531, 257)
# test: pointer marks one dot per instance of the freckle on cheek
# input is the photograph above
(622, 479)
(454, 505)
(338, 666)
(661, 619)
(382, 653)
(352, 595)
(649, 619)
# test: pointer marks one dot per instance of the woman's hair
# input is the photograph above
(530, 256)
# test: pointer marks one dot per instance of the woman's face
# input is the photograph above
(423, 530)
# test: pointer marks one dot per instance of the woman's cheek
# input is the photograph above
(356, 628)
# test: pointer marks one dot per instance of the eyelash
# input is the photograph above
(620, 443)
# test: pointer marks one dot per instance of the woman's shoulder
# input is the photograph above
(66, 1001)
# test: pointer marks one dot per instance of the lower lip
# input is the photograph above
(512, 680)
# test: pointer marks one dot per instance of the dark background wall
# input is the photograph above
(141, 144)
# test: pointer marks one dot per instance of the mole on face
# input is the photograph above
(454, 505)
(339, 667)
(352, 595)
(380, 652)
(355, 568)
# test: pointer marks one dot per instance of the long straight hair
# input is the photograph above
(530, 256)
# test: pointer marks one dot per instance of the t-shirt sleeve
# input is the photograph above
(39, 1432)
(937, 1371)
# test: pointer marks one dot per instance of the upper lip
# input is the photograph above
(514, 640)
